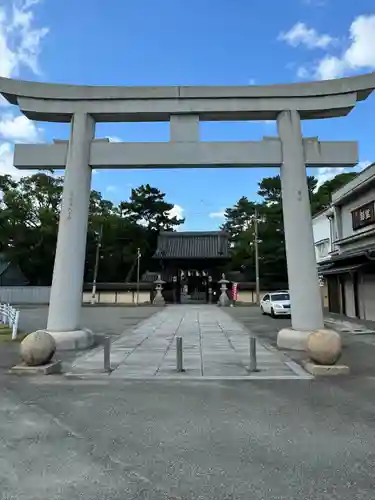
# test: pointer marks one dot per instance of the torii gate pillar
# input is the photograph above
(64, 313)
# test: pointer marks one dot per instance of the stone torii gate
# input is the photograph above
(184, 107)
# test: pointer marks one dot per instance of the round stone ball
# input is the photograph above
(324, 346)
(37, 348)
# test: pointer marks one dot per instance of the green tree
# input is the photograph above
(237, 218)
(147, 207)
(323, 195)
(29, 214)
(238, 223)
(270, 188)
(272, 263)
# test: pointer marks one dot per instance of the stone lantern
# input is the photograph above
(223, 299)
(159, 299)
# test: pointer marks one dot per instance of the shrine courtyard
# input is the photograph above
(143, 343)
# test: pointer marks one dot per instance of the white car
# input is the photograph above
(276, 304)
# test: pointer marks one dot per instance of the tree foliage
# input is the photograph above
(148, 207)
(239, 222)
(29, 216)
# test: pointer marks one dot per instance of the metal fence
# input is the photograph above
(10, 316)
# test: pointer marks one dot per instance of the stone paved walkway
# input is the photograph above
(214, 346)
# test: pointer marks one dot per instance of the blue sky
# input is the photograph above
(179, 42)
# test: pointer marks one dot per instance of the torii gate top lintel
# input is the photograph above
(58, 102)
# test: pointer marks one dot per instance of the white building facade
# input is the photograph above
(322, 230)
(344, 237)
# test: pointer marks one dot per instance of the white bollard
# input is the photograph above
(9, 314)
(4, 316)
(15, 325)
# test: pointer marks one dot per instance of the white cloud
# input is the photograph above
(326, 173)
(19, 128)
(361, 53)
(111, 189)
(303, 72)
(176, 211)
(6, 159)
(6, 162)
(114, 139)
(217, 215)
(301, 34)
(15, 129)
(20, 41)
(315, 3)
(358, 55)
(329, 67)
(362, 165)
(20, 44)
(143, 222)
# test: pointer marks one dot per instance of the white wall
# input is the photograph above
(349, 297)
(322, 231)
(25, 294)
(368, 296)
(18, 295)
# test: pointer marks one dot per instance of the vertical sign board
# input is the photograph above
(234, 291)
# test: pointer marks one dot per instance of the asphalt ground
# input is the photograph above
(115, 439)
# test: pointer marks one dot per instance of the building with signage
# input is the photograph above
(344, 238)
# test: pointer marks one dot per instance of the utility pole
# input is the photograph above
(138, 272)
(96, 268)
(256, 241)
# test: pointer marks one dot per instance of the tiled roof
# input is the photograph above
(192, 245)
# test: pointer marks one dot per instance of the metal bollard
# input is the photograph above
(253, 355)
(107, 354)
(179, 354)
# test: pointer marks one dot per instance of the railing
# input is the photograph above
(10, 316)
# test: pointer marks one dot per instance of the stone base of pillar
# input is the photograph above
(73, 340)
(296, 340)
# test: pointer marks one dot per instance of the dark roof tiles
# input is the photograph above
(192, 245)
